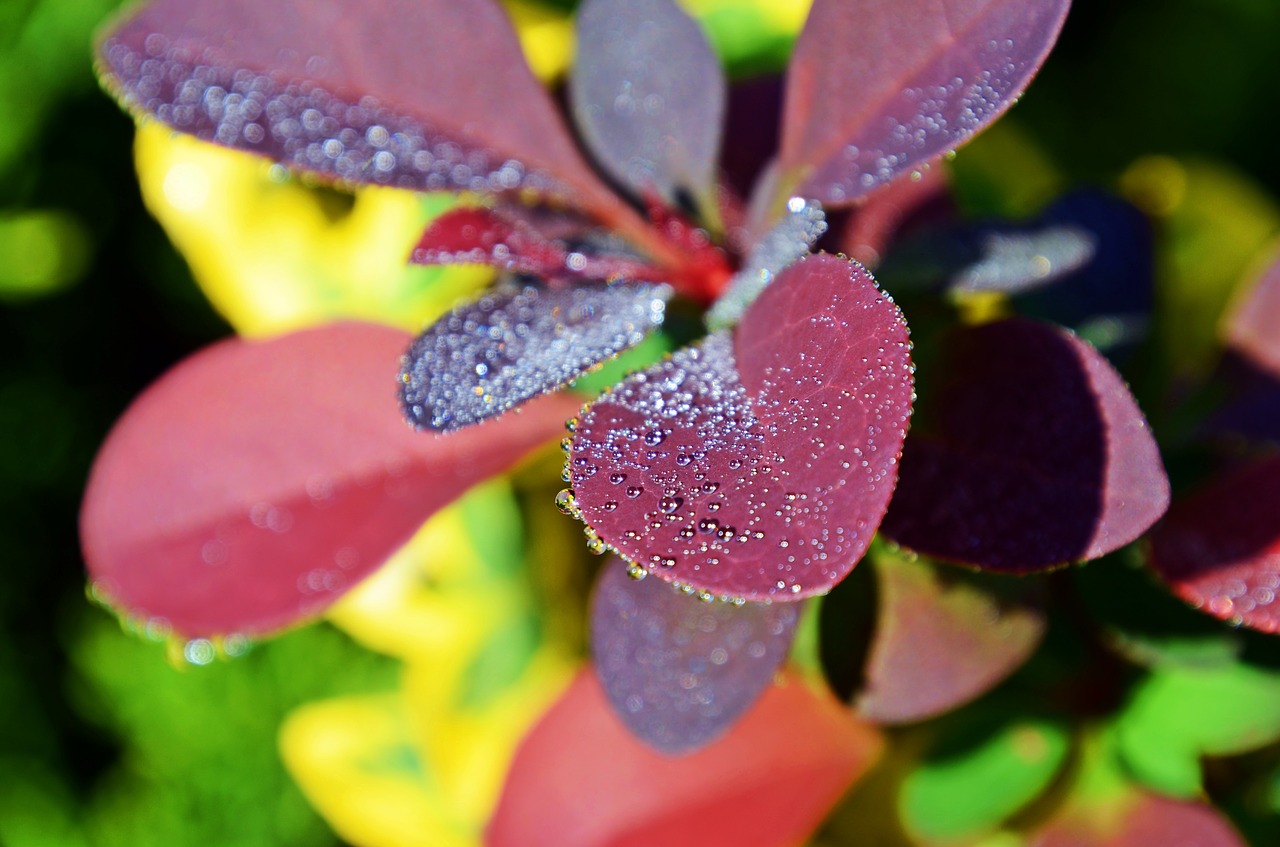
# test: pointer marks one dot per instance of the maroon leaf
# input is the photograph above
(1038, 456)
(256, 482)
(516, 342)
(649, 97)
(1220, 547)
(758, 468)
(1251, 326)
(580, 778)
(678, 669)
(943, 637)
(879, 87)
(548, 246)
(385, 93)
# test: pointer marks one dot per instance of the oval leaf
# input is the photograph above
(1038, 456)
(580, 777)
(1219, 548)
(759, 466)
(517, 342)
(385, 94)
(942, 638)
(256, 482)
(649, 97)
(679, 670)
(880, 87)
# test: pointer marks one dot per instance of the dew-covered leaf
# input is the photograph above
(943, 637)
(545, 245)
(756, 465)
(1251, 326)
(256, 482)
(648, 95)
(387, 94)
(878, 88)
(1219, 548)
(581, 778)
(680, 670)
(519, 341)
(978, 772)
(1033, 454)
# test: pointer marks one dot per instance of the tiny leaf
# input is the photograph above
(1038, 456)
(255, 483)
(520, 341)
(581, 778)
(679, 670)
(1219, 548)
(878, 88)
(757, 468)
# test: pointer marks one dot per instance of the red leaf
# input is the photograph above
(758, 468)
(387, 92)
(942, 638)
(1139, 819)
(1039, 455)
(580, 778)
(679, 670)
(256, 482)
(1220, 547)
(879, 87)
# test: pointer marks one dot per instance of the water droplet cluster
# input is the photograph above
(304, 126)
(517, 342)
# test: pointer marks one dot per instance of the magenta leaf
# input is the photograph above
(1219, 548)
(519, 341)
(880, 87)
(529, 241)
(256, 482)
(1251, 326)
(649, 97)
(385, 93)
(678, 669)
(943, 637)
(757, 468)
(1037, 455)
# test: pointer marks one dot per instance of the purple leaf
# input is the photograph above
(1038, 454)
(1251, 326)
(385, 93)
(256, 482)
(880, 87)
(758, 467)
(943, 637)
(679, 670)
(1219, 548)
(648, 95)
(517, 342)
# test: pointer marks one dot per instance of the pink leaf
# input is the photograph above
(680, 670)
(1136, 818)
(425, 94)
(580, 778)
(1038, 454)
(255, 483)
(1251, 326)
(879, 87)
(757, 468)
(1220, 547)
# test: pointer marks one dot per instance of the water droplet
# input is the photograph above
(617, 478)
(669, 505)
(654, 437)
(634, 491)
(708, 525)
(565, 502)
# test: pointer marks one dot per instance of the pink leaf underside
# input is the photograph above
(942, 638)
(1038, 454)
(1219, 548)
(758, 465)
(1139, 819)
(581, 778)
(678, 670)
(391, 93)
(648, 94)
(554, 247)
(519, 341)
(256, 482)
(880, 87)
(1251, 327)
